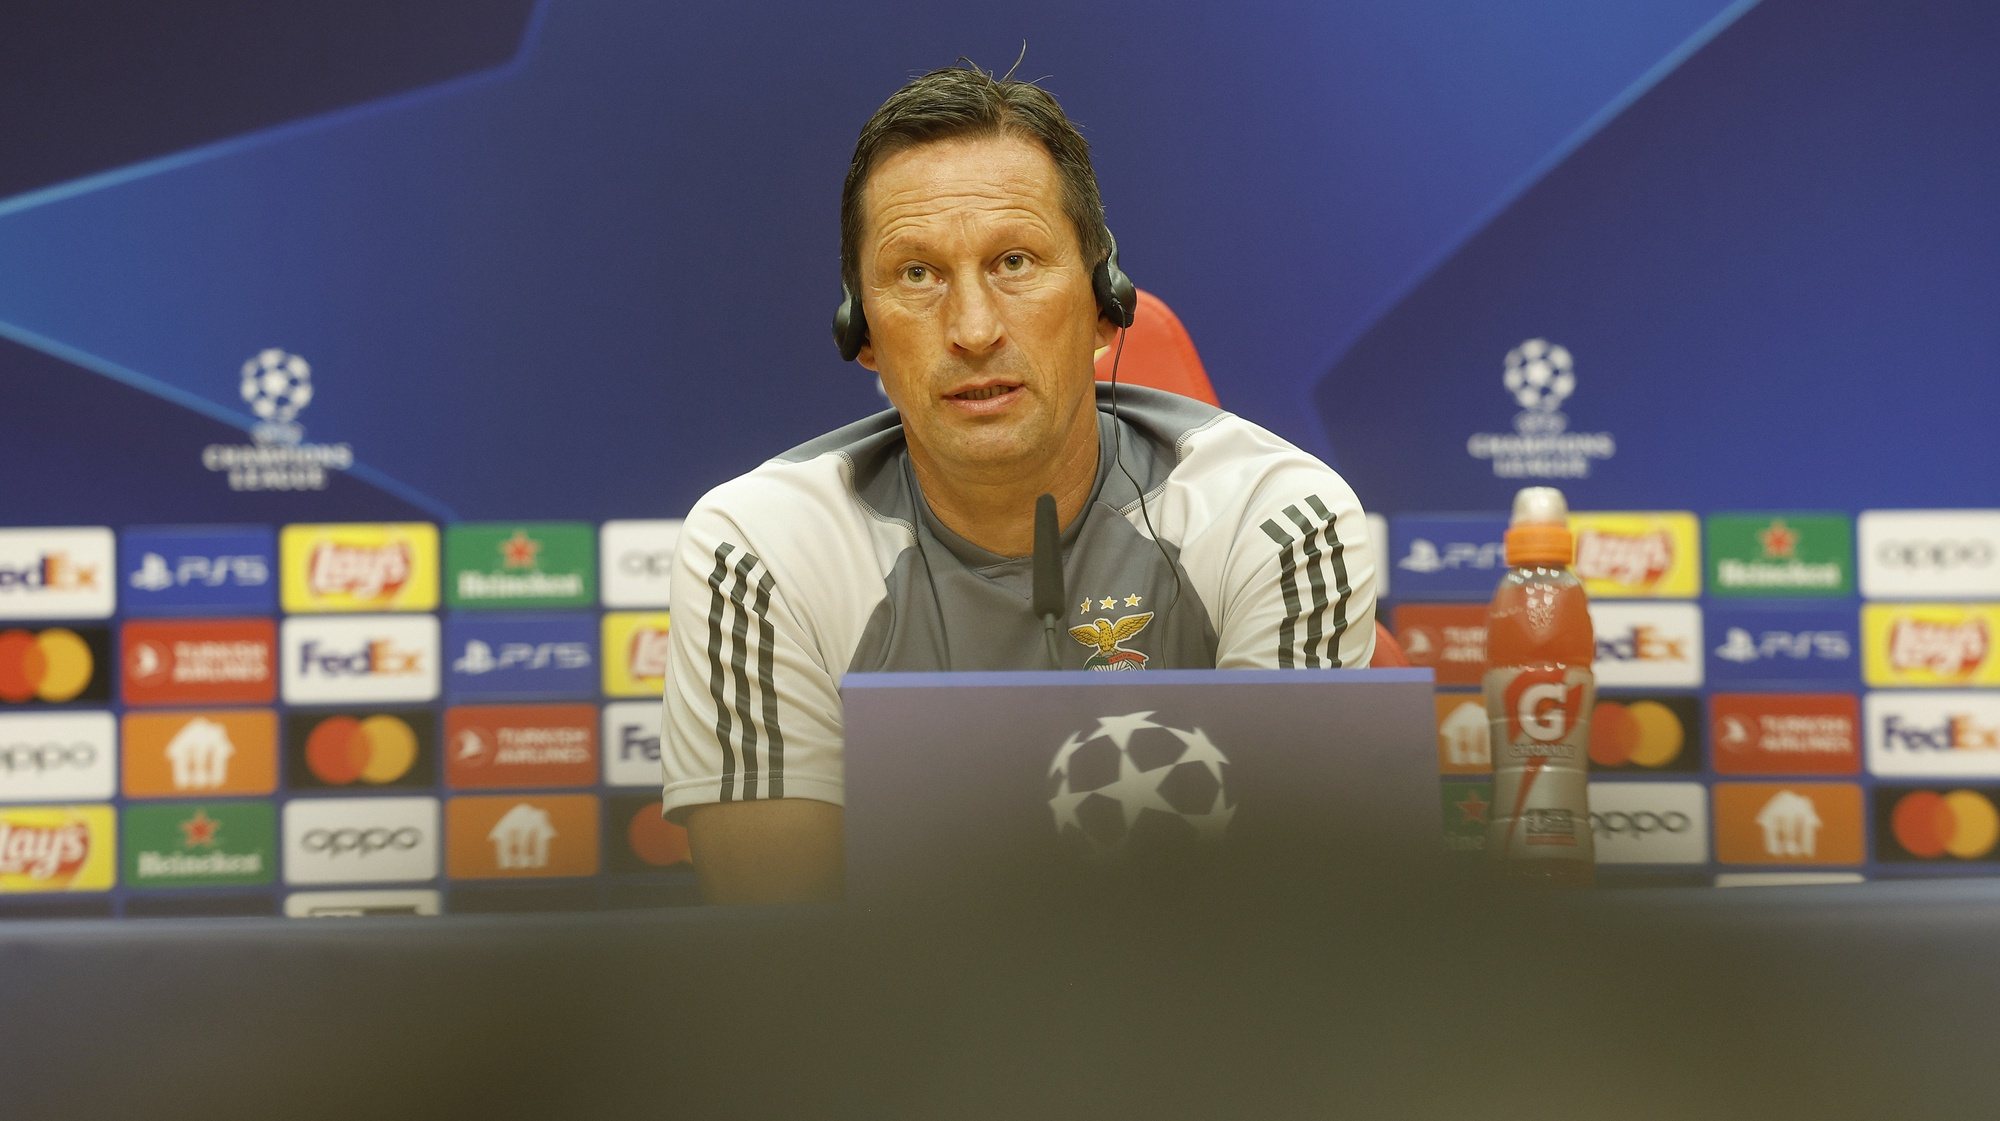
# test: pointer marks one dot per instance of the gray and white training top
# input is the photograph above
(827, 560)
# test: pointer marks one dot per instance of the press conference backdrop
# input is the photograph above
(355, 360)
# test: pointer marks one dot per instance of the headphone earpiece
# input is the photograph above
(1117, 301)
(850, 327)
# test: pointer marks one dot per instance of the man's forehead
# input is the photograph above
(1008, 178)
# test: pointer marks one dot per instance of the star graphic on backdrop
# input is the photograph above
(519, 550)
(200, 829)
(1780, 540)
(1132, 600)
(1472, 808)
(1106, 604)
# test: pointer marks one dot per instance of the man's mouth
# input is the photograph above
(984, 392)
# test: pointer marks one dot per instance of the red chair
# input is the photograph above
(1160, 354)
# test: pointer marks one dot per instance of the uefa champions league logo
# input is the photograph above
(1540, 376)
(277, 386)
(1132, 785)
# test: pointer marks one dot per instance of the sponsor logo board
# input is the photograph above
(521, 656)
(385, 566)
(361, 840)
(635, 653)
(1935, 645)
(1934, 734)
(1649, 822)
(1646, 733)
(517, 565)
(201, 844)
(363, 904)
(1780, 555)
(638, 839)
(1449, 638)
(1448, 556)
(362, 750)
(502, 746)
(1929, 554)
(1786, 733)
(58, 848)
(637, 559)
(1648, 645)
(1783, 646)
(522, 836)
(200, 754)
(1788, 823)
(364, 659)
(55, 665)
(1468, 811)
(1943, 825)
(57, 757)
(198, 571)
(1464, 734)
(1652, 555)
(1785, 879)
(199, 661)
(57, 573)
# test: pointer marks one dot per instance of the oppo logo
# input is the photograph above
(1639, 823)
(336, 842)
(21, 758)
(647, 562)
(1941, 554)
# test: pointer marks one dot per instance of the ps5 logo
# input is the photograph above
(481, 658)
(155, 573)
(1427, 557)
(1741, 647)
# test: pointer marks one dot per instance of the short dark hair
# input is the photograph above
(965, 101)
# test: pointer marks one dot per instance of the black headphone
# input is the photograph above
(1117, 300)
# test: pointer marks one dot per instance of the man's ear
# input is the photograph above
(1107, 334)
(866, 356)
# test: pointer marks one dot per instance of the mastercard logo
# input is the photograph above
(1642, 733)
(342, 750)
(654, 839)
(54, 665)
(1962, 823)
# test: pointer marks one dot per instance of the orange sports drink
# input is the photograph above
(1539, 692)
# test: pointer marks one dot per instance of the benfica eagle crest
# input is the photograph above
(1108, 636)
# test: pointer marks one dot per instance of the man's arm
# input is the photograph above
(786, 850)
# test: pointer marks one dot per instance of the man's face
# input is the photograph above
(981, 318)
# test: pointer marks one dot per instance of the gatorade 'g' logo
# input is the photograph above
(1538, 706)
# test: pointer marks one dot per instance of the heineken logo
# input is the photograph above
(1780, 555)
(213, 845)
(549, 564)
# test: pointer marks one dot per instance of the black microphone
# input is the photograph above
(1049, 597)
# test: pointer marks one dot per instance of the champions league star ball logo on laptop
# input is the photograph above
(1132, 785)
(277, 386)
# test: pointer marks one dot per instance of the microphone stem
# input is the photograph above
(1049, 640)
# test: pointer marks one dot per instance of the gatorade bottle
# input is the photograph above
(1539, 692)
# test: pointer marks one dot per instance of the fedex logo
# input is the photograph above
(363, 658)
(381, 657)
(552, 655)
(56, 573)
(1934, 734)
(1956, 732)
(632, 744)
(363, 572)
(1648, 645)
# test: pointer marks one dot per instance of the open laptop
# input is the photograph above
(955, 778)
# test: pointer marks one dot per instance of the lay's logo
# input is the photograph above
(1930, 644)
(66, 848)
(386, 567)
(635, 645)
(1638, 555)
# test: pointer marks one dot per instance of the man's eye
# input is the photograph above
(916, 274)
(1014, 262)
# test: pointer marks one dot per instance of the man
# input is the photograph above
(981, 282)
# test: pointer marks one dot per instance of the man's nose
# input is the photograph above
(973, 321)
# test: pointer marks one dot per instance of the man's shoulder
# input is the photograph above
(824, 486)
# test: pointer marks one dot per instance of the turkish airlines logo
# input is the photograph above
(1637, 559)
(1945, 649)
(222, 661)
(1786, 733)
(1541, 706)
(521, 745)
(363, 572)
